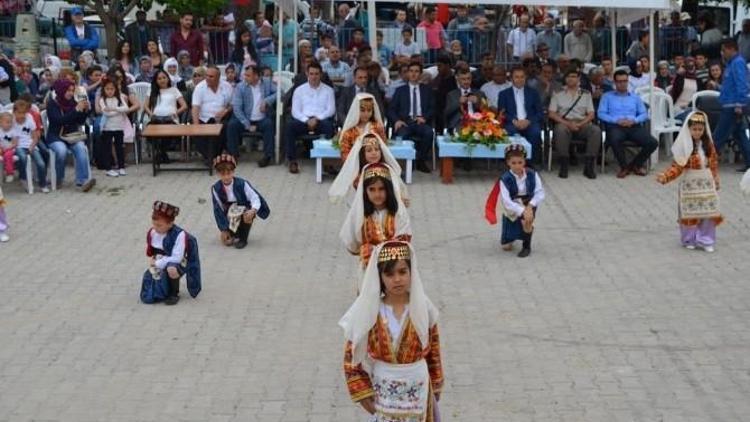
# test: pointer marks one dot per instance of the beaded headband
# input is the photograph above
(225, 158)
(698, 117)
(394, 251)
(163, 209)
(515, 148)
(369, 140)
(377, 170)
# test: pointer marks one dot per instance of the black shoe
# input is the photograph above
(264, 162)
(563, 168)
(743, 169)
(240, 244)
(331, 171)
(422, 166)
(524, 253)
(172, 300)
(589, 171)
(573, 160)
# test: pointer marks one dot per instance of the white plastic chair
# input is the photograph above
(662, 121)
(52, 155)
(699, 94)
(141, 90)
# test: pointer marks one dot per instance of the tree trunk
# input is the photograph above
(111, 28)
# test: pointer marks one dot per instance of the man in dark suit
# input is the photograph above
(462, 100)
(412, 111)
(523, 111)
(361, 85)
(138, 33)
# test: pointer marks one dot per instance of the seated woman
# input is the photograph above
(368, 149)
(165, 105)
(363, 117)
(66, 115)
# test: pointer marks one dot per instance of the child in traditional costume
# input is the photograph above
(236, 203)
(171, 252)
(368, 149)
(698, 201)
(363, 117)
(377, 215)
(392, 355)
(521, 191)
(3, 219)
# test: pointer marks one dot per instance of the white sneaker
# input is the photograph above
(112, 173)
(122, 172)
(45, 189)
(709, 249)
(690, 247)
(4, 237)
(9, 178)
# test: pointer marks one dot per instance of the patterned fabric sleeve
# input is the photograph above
(347, 140)
(357, 380)
(380, 131)
(434, 363)
(674, 171)
(713, 163)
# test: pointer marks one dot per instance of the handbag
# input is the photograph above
(73, 137)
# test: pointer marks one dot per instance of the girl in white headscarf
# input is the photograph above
(698, 201)
(363, 117)
(392, 340)
(171, 67)
(368, 149)
(377, 215)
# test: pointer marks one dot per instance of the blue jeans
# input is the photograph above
(41, 168)
(265, 127)
(80, 156)
(735, 125)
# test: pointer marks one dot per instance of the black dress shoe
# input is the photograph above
(524, 253)
(264, 162)
(240, 244)
(172, 300)
(422, 166)
(293, 167)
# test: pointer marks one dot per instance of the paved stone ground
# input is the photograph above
(609, 320)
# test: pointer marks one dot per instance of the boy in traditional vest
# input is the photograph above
(521, 192)
(236, 203)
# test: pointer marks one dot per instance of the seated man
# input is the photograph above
(212, 99)
(251, 111)
(624, 115)
(498, 83)
(412, 111)
(313, 108)
(462, 100)
(523, 112)
(361, 85)
(572, 110)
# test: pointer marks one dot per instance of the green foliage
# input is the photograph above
(199, 8)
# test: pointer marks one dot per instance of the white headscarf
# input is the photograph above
(362, 315)
(53, 63)
(176, 76)
(684, 145)
(351, 230)
(352, 118)
(344, 180)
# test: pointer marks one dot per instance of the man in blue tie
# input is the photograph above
(523, 111)
(412, 111)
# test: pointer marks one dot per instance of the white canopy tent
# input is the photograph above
(626, 11)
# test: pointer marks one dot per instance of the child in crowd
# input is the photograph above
(8, 144)
(27, 133)
(3, 219)
(406, 48)
(363, 117)
(698, 201)
(264, 42)
(171, 252)
(377, 215)
(236, 203)
(114, 107)
(392, 360)
(326, 42)
(521, 193)
(368, 149)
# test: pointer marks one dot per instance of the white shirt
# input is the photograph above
(6, 137)
(517, 208)
(116, 119)
(522, 42)
(310, 102)
(210, 101)
(413, 87)
(406, 50)
(520, 103)
(395, 325)
(256, 114)
(178, 250)
(23, 131)
(469, 106)
(251, 195)
(492, 90)
(166, 102)
(80, 31)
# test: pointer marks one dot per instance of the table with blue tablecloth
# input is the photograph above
(448, 150)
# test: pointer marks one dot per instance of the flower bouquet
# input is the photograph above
(482, 128)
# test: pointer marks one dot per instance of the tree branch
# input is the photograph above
(129, 7)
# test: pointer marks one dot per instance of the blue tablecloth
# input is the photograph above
(448, 149)
(401, 150)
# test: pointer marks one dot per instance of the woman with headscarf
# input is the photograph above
(363, 117)
(66, 115)
(392, 361)
(53, 62)
(663, 78)
(695, 159)
(85, 61)
(172, 68)
(185, 69)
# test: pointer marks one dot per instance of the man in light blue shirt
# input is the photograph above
(624, 115)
